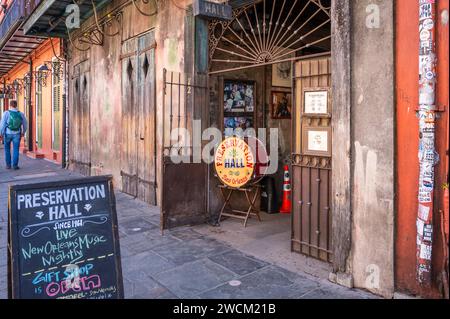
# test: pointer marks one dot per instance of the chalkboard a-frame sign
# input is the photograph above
(63, 241)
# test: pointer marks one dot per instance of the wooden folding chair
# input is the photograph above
(252, 193)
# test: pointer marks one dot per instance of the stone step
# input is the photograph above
(35, 155)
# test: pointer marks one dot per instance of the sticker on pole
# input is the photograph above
(234, 162)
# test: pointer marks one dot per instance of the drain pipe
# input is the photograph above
(428, 156)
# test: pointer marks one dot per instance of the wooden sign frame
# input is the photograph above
(212, 10)
(13, 229)
(305, 143)
(305, 111)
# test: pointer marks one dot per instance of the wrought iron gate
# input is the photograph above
(266, 32)
(312, 215)
(184, 182)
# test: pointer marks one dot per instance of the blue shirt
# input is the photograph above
(5, 120)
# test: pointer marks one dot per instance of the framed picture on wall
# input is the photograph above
(282, 74)
(317, 141)
(230, 124)
(281, 105)
(316, 101)
(238, 96)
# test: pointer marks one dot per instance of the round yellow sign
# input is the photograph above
(234, 162)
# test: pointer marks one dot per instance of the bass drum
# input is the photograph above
(262, 161)
(240, 162)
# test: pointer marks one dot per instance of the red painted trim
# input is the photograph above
(407, 145)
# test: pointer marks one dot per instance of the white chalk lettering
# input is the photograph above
(36, 200)
(28, 200)
(20, 199)
(60, 212)
(61, 197)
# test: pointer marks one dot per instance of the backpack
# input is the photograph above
(15, 121)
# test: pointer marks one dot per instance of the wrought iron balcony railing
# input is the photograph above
(17, 12)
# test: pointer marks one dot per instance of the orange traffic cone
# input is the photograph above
(286, 206)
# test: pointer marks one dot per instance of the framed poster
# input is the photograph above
(231, 124)
(281, 105)
(316, 102)
(282, 74)
(238, 96)
(317, 141)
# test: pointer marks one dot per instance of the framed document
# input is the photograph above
(317, 141)
(316, 101)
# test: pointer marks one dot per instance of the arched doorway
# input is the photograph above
(280, 50)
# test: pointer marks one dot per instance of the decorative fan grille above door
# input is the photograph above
(269, 31)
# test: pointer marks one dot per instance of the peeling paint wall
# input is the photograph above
(170, 33)
(372, 255)
(105, 110)
(106, 72)
(105, 91)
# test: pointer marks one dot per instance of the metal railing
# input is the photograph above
(17, 12)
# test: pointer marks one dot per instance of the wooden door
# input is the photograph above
(85, 121)
(79, 128)
(74, 127)
(129, 111)
(146, 167)
(311, 161)
(138, 118)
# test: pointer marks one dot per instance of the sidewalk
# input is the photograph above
(181, 264)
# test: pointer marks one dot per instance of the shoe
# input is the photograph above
(8, 167)
(16, 168)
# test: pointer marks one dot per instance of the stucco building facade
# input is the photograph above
(136, 70)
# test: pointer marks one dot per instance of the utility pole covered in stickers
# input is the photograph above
(428, 156)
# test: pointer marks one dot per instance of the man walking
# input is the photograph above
(13, 126)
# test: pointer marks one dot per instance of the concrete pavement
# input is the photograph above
(182, 263)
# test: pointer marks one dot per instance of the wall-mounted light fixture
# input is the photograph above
(54, 67)
(7, 91)
(41, 75)
(44, 68)
(18, 86)
(27, 79)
